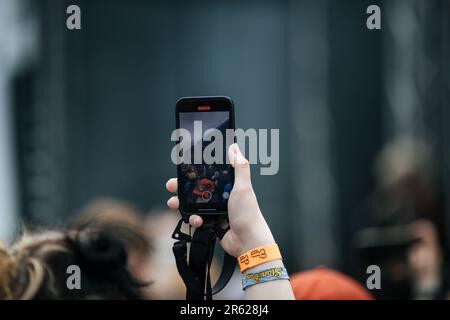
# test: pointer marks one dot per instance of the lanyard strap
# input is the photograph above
(196, 272)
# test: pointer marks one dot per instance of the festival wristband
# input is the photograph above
(258, 256)
(272, 274)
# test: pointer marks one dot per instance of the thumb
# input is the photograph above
(240, 165)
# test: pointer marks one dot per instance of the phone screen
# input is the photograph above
(204, 186)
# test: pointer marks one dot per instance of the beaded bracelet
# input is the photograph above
(272, 274)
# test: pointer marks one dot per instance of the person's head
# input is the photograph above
(409, 187)
(126, 222)
(103, 242)
(406, 174)
(37, 266)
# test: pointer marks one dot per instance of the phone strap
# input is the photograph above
(195, 272)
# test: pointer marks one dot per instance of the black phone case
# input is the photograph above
(204, 99)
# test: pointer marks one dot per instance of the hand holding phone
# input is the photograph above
(198, 197)
(248, 228)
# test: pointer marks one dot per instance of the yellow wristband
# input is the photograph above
(259, 256)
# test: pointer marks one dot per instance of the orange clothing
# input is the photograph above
(326, 284)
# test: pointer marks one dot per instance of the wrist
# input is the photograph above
(258, 235)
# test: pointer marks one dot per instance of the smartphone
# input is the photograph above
(205, 176)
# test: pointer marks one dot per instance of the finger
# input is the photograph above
(195, 221)
(173, 202)
(240, 165)
(172, 185)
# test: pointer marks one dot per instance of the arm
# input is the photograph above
(248, 228)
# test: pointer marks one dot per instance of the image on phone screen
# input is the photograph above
(205, 183)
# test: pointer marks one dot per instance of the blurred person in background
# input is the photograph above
(36, 265)
(120, 217)
(109, 243)
(408, 241)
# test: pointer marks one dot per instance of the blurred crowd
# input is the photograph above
(125, 253)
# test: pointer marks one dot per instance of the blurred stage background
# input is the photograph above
(87, 114)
